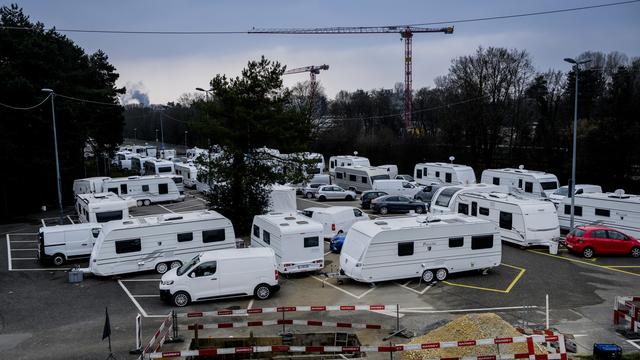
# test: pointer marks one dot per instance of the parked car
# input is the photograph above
(336, 243)
(426, 193)
(394, 203)
(367, 196)
(589, 240)
(332, 192)
(311, 190)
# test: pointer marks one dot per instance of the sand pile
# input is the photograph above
(470, 327)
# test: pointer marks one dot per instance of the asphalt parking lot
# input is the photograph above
(45, 317)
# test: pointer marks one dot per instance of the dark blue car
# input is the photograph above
(336, 242)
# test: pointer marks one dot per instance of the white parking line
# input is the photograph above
(327, 253)
(69, 217)
(135, 302)
(140, 280)
(250, 304)
(343, 290)
(9, 252)
(414, 290)
(187, 207)
(24, 234)
(633, 343)
(42, 269)
(169, 210)
(24, 241)
(315, 203)
(146, 296)
(24, 249)
(24, 258)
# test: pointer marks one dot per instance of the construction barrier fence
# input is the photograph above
(626, 312)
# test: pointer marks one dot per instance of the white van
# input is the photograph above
(419, 247)
(222, 274)
(89, 185)
(168, 154)
(102, 207)
(335, 219)
(294, 238)
(443, 173)
(528, 182)
(346, 160)
(396, 187)
(392, 170)
(158, 242)
(61, 243)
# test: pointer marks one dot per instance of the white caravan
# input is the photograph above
(123, 159)
(617, 210)
(335, 219)
(419, 247)
(61, 243)
(89, 185)
(392, 170)
(282, 198)
(522, 221)
(194, 152)
(443, 173)
(528, 182)
(102, 207)
(168, 154)
(396, 187)
(144, 150)
(443, 199)
(346, 160)
(563, 191)
(359, 178)
(137, 163)
(189, 173)
(222, 274)
(158, 167)
(295, 239)
(145, 190)
(158, 242)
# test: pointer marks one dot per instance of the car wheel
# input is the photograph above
(348, 198)
(181, 299)
(635, 252)
(384, 210)
(419, 210)
(58, 259)
(175, 264)
(162, 268)
(427, 276)
(309, 195)
(322, 198)
(139, 203)
(147, 202)
(588, 252)
(441, 274)
(262, 292)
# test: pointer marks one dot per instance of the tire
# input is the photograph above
(441, 274)
(262, 292)
(383, 210)
(635, 252)
(309, 195)
(419, 210)
(58, 260)
(427, 276)
(181, 299)
(175, 264)
(162, 268)
(139, 203)
(322, 198)
(588, 252)
(147, 202)
(348, 198)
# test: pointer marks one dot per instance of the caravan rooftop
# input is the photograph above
(373, 227)
(291, 223)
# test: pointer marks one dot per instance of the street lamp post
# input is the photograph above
(135, 134)
(55, 147)
(185, 139)
(576, 67)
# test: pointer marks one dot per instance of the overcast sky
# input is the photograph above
(166, 66)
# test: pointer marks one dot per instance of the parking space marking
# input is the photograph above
(315, 203)
(23, 241)
(24, 259)
(9, 252)
(169, 210)
(250, 304)
(624, 266)
(188, 207)
(327, 253)
(146, 296)
(414, 290)
(428, 311)
(24, 249)
(343, 290)
(135, 302)
(612, 268)
(505, 291)
(141, 279)
(634, 344)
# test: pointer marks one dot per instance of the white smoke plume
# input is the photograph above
(136, 94)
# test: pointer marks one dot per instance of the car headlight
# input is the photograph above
(166, 282)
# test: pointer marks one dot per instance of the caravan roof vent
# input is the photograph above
(381, 223)
(289, 218)
(302, 222)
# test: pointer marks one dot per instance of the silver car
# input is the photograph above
(331, 192)
(311, 190)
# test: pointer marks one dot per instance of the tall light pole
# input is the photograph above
(576, 70)
(52, 94)
(185, 139)
(135, 134)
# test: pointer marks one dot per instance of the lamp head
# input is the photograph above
(46, 90)
(200, 89)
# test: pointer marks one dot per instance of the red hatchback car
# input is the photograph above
(592, 239)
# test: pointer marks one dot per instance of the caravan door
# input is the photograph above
(204, 282)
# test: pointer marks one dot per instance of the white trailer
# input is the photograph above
(335, 219)
(137, 163)
(102, 207)
(295, 239)
(89, 185)
(194, 152)
(431, 173)
(189, 173)
(61, 243)
(443, 199)
(522, 221)
(359, 178)
(346, 160)
(168, 154)
(617, 210)
(159, 242)
(528, 182)
(158, 167)
(123, 159)
(145, 190)
(419, 247)
(282, 198)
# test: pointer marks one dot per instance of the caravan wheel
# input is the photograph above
(441, 274)
(427, 276)
(139, 203)
(147, 202)
(162, 268)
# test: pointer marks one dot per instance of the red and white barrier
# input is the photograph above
(158, 338)
(626, 312)
(385, 348)
(281, 309)
(280, 322)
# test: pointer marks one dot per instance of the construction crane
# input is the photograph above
(406, 34)
(313, 70)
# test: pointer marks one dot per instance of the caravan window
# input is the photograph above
(113, 190)
(205, 269)
(577, 210)
(353, 178)
(145, 187)
(528, 187)
(164, 169)
(256, 231)
(481, 242)
(520, 183)
(123, 189)
(437, 174)
(108, 216)
(506, 220)
(550, 185)
(379, 177)
(185, 237)
(419, 173)
(365, 180)
(484, 211)
(445, 196)
(474, 208)
(456, 242)
(213, 235)
(163, 189)
(463, 209)
(603, 212)
(311, 241)
(447, 177)
(127, 246)
(496, 181)
(339, 175)
(405, 248)
(266, 237)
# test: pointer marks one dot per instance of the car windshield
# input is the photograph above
(184, 268)
(563, 191)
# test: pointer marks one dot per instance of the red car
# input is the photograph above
(592, 239)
